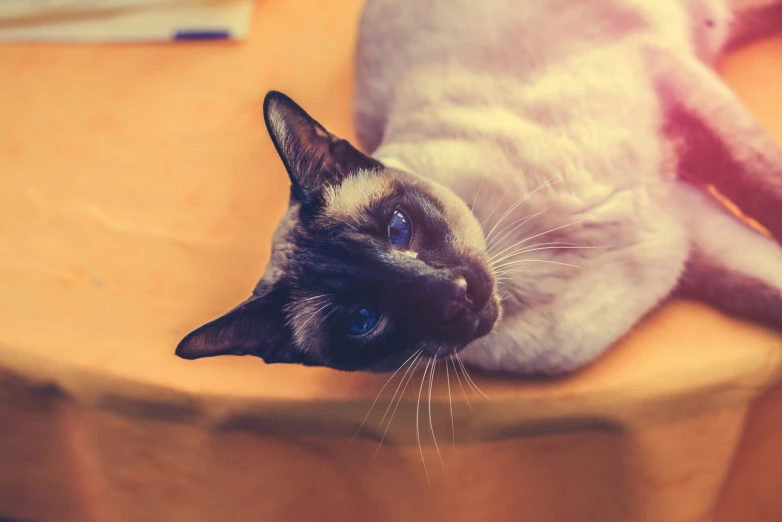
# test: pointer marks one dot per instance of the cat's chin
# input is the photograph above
(485, 326)
(487, 318)
(476, 326)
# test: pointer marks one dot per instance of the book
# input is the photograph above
(124, 20)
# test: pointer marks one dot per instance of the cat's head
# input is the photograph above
(369, 266)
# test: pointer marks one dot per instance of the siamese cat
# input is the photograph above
(529, 188)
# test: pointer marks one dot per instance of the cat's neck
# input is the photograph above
(482, 146)
(491, 160)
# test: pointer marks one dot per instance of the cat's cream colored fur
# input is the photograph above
(566, 104)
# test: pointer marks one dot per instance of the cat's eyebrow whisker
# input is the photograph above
(496, 242)
(324, 317)
(512, 263)
(540, 234)
(431, 426)
(417, 429)
(469, 379)
(456, 372)
(547, 183)
(314, 297)
(406, 379)
(300, 329)
(383, 388)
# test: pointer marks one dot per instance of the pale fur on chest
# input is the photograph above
(498, 116)
(625, 251)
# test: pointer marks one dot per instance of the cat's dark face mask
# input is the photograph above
(370, 266)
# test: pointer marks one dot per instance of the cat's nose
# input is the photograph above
(478, 288)
(469, 291)
(447, 297)
(458, 301)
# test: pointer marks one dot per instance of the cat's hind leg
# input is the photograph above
(731, 266)
(753, 20)
(719, 141)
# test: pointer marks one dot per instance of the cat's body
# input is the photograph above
(571, 132)
(483, 94)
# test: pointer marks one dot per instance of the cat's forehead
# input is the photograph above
(357, 194)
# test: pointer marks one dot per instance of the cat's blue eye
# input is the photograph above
(399, 229)
(363, 321)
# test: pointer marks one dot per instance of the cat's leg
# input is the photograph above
(719, 141)
(368, 124)
(731, 266)
(753, 20)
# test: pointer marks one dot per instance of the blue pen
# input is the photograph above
(202, 34)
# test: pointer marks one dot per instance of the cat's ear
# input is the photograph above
(256, 327)
(312, 155)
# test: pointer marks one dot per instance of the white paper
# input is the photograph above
(120, 20)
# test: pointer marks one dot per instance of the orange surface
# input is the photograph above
(139, 193)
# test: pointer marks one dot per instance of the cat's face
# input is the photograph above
(370, 265)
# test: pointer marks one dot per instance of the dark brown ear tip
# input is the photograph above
(272, 97)
(182, 353)
(185, 350)
(277, 100)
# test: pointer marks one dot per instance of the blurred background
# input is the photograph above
(138, 194)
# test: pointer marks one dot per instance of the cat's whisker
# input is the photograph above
(522, 241)
(450, 403)
(480, 184)
(537, 245)
(406, 379)
(431, 425)
(383, 388)
(512, 208)
(527, 250)
(516, 271)
(456, 372)
(519, 223)
(551, 244)
(485, 221)
(462, 368)
(417, 429)
(504, 216)
(540, 234)
(469, 379)
(496, 242)
(512, 263)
